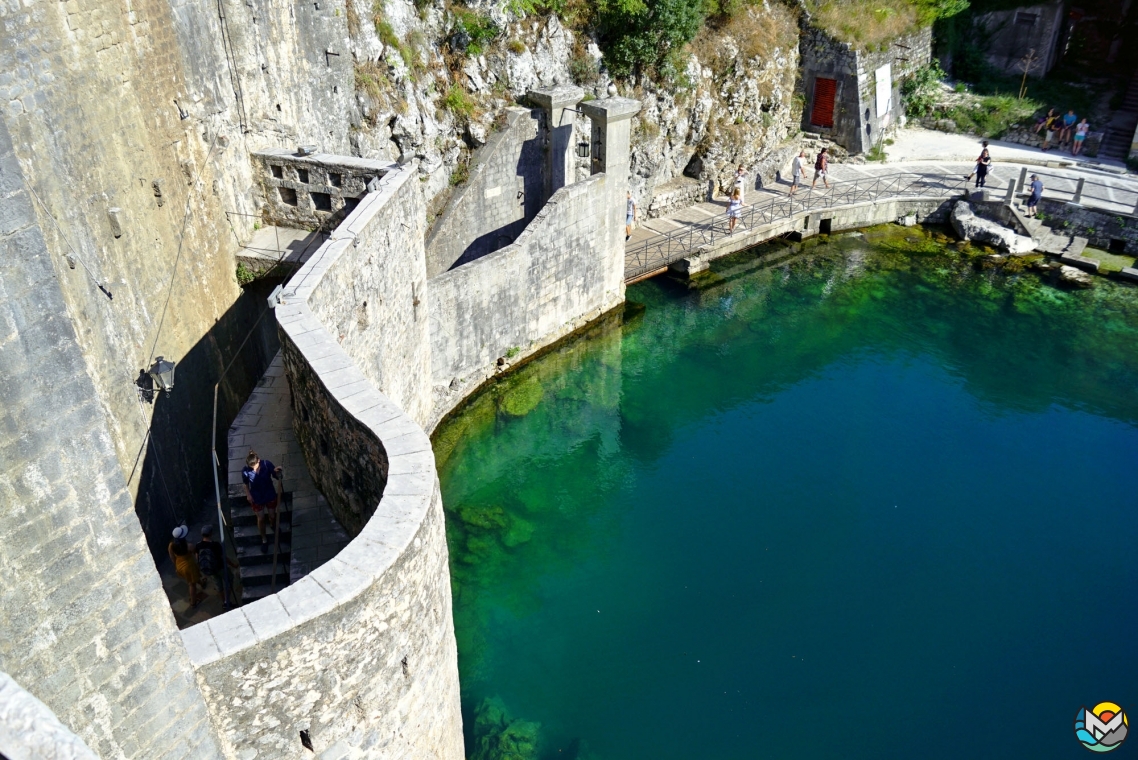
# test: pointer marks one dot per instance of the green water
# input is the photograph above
(870, 502)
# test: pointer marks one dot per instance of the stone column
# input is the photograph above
(557, 102)
(612, 126)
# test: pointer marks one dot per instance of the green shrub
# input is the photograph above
(647, 35)
(245, 275)
(919, 90)
(458, 102)
(479, 30)
(516, 46)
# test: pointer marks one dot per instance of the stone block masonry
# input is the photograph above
(29, 730)
(85, 623)
(360, 654)
(312, 191)
(503, 193)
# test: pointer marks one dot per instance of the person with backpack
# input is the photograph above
(211, 560)
(185, 564)
(821, 164)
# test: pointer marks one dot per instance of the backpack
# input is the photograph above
(818, 163)
(205, 560)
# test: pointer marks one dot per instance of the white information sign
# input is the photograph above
(884, 90)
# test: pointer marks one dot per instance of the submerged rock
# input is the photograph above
(1075, 278)
(978, 230)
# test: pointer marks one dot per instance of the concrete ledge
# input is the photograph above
(1129, 273)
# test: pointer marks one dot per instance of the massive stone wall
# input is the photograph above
(84, 622)
(503, 193)
(360, 654)
(29, 730)
(375, 300)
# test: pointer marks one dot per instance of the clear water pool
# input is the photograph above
(870, 502)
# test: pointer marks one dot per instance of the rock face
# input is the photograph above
(1075, 278)
(426, 92)
(977, 230)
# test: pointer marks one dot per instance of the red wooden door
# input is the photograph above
(822, 114)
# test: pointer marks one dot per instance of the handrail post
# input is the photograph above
(1079, 190)
(217, 495)
(1022, 179)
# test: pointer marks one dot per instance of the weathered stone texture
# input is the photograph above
(360, 654)
(336, 181)
(85, 623)
(503, 193)
(29, 730)
(372, 294)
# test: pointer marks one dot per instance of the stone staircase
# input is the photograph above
(1120, 129)
(256, 569)
(1069, 248)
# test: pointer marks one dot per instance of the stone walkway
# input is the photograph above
(265, 425)
(1101, 189)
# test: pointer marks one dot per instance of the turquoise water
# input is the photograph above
(871, 502)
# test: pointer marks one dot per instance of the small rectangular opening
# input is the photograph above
(335, 180)
(302, 175)
(824, 226)
(1117, 245)
(277, 171)
(322, 201)
(806, 222)
(288, 195)
(350, 205)
(1026, 19)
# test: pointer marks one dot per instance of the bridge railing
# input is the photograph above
(660, 251)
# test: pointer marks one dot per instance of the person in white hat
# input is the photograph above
(185, 565)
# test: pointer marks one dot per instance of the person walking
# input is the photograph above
(821, 166)
(741, 182)
(260, 492)
(797, 170)
(211, 559)
(1081, 130)
(983, 150)
(629, 215)
(182, 555)
(734, 210)
(1036, 195)
(983, 163)
(1067, 129)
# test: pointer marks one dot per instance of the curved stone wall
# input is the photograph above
(360, 654)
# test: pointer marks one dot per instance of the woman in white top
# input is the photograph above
(1080, 135)
(734, 209)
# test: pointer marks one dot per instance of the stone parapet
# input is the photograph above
(360, 654)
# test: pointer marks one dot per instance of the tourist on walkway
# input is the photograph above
(629, 215)
(983, 163)
(182, 555)
(1049, 126)
(983, 150)
(821, 165)
(797, 170)
(741, 182)
(260, 491)
(1080, 136)
(211, 559)
(734, 209)
(1068, 128)
(1036, 195)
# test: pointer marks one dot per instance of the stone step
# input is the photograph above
(243, 535)
(248, 556)
(260, 574)
(1082, 262)
(1129, 273)
(1060, 245)
(1025, 225)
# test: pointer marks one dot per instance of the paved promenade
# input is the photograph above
(1102, 186)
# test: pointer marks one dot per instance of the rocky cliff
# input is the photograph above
(430, 79)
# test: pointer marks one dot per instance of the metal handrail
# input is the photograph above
(658, 252)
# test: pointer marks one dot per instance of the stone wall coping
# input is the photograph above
(325, 159)
(608, 110)
(559, 96)
(411, 480)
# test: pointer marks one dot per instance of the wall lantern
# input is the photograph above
(163, 374)
(583, 149)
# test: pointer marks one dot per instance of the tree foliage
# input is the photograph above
(647, 34)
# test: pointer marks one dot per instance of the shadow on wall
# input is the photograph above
(530, 183)
(173, 469)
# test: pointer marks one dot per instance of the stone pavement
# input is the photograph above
(265, 425)
(1103, 189)
(917, 144)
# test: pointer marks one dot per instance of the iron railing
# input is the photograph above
(658, 252)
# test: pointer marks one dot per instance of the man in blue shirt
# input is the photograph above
(1036, 195)
(1068, 129)
(260, 491)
